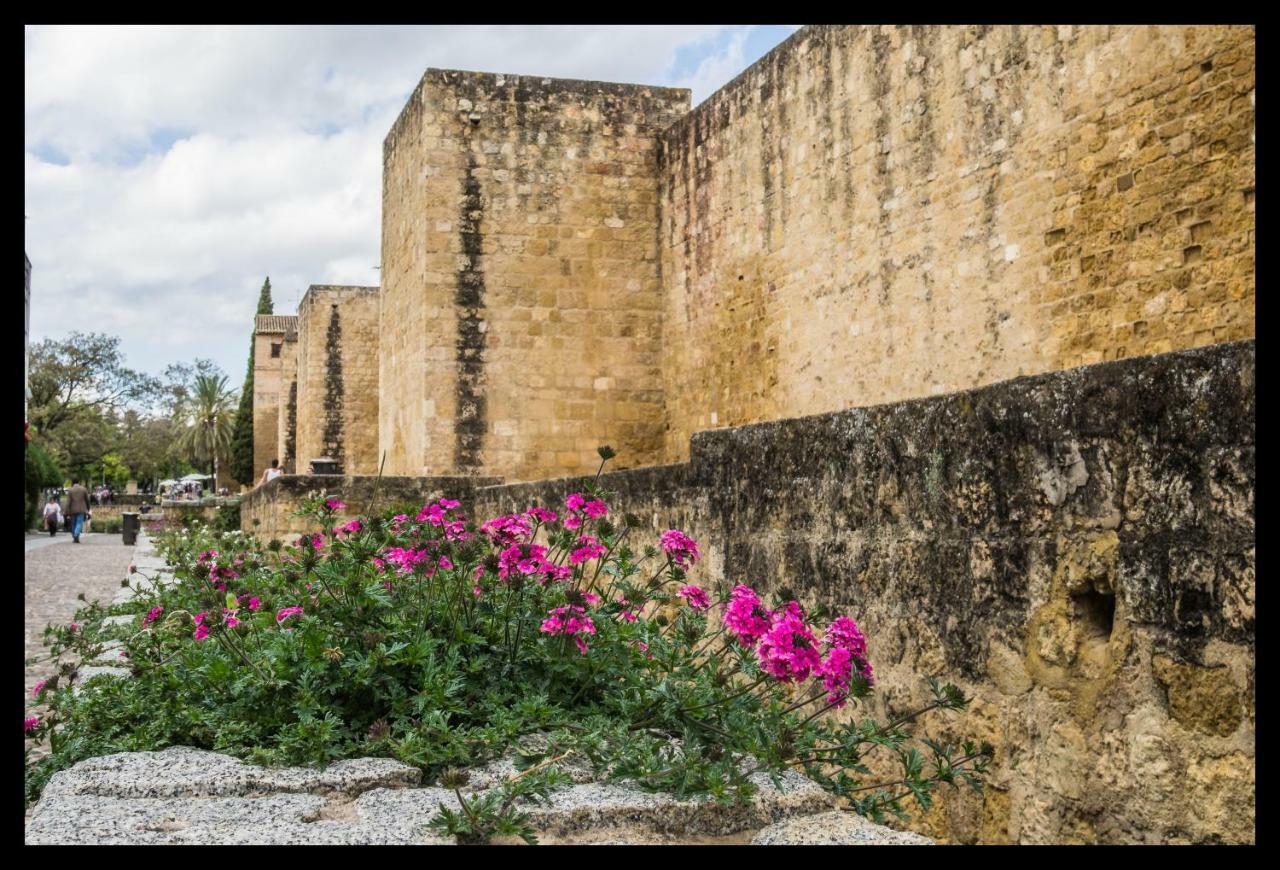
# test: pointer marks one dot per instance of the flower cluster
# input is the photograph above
(31, 724)
(579, 507)
(788, 651)
(846, 650)
(152, 615)
(570, 621)
(507, 530)
(682, 549)
(696, 596)
(285, 612)
(746, 617)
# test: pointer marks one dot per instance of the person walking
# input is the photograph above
(77, 508)
(52, 515)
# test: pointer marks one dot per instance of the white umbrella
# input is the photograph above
(192, 478)
(168, 482)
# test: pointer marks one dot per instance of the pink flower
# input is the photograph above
(335, 504)
(542, 515)
(285, 612)
(317, 541)
(844, 637)
(254, 603)
(746, 616)
(682, 549)
(788, 650)
(199, 617)
(595, 509)
(575, 501)
(153, 615)
(507, 530)
(229, 618)
(573, 522)
(589, 548)
(349, 529)
(30, 724)
(696, 597)
(448, 503)
(445, 563)
(571, 621)
(476, 591)
(202, 631)
(39, 687)
(399, 520)
(75, 626)
(591, 598)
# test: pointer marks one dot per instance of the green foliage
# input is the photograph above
(207, 416)
(241, 466)
(39, 472)
(113, 526)
(444, 645)
(228, 518)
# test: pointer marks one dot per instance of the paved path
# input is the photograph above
(56, 572)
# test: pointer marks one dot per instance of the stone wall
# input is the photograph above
(269, 357)
(876, 213)
(286, 447)
(1075, 549)
(268, 510)
(337, 359)
(521, 295)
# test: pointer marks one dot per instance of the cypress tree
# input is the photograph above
(242, 440)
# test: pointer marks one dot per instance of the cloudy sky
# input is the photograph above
(169, 169)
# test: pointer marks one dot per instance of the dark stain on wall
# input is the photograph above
(291, 430)
(470, 421)
(333, 390)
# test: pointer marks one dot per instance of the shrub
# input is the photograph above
(228, 518)
(428, 638)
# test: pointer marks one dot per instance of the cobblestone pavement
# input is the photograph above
(56, 572)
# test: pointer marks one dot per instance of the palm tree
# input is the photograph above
(208, 415)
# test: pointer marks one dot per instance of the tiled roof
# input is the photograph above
(275, 323)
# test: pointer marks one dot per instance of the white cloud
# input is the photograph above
(199, 159)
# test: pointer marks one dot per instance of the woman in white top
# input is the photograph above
(52, 516)
(271, 473)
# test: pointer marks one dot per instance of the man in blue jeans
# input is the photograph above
(77, 508)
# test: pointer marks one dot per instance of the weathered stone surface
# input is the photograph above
(86, 673)
(835, 829)
(185, 795)
(1114, 611)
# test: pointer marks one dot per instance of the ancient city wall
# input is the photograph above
(268, 381)
(286, 441)
(268, 510)
(337, 363)
(870, 213)
(1075, 549)
(521, 301)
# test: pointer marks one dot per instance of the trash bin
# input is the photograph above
(129, 528)
(324, 465)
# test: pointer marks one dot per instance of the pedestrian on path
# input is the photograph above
(52, 515)
(77, 508)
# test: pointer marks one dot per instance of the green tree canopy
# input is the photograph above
(241, 466)
(208, 415)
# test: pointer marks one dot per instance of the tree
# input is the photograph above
(242, 441)
(78, 386)
(41, 472)
(208, 416)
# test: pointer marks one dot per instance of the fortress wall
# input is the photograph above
(267, 379)
(872, 213)
(1076, 550)
(521, 309)
(337, 374)
(286, 446)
